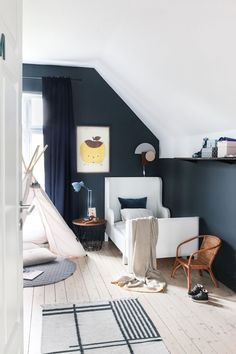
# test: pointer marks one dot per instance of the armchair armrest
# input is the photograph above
(164, 212)
(182, 243)
(110, 216)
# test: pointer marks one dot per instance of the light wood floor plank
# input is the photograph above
(185, 326)
(199, 333)
(60, 292)
(28, 304)
(36, 321)
(71, 290)
(162, 308)
(82, 293)
(97, 277)
(171, 342)
(170, 339)
(215, 325)
(50, 294)
(106, 273)
(88, 280)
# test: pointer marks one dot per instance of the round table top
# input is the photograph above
(92, 222)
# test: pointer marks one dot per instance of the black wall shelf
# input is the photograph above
(230, 160)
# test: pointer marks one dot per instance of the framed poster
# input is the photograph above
(93, 149)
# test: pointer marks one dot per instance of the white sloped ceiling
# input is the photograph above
(173, 62)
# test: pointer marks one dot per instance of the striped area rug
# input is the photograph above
(118, 326)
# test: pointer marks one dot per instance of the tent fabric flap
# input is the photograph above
(62, 241)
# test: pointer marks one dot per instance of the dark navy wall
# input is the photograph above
(208, 190)
(95, 103)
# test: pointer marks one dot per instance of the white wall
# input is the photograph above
(173, 62)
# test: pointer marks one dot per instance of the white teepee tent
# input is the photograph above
(45, 218)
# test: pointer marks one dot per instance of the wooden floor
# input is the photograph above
(185, 326)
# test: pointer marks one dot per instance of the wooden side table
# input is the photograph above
(90, 233)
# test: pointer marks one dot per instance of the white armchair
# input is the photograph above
(171, 230)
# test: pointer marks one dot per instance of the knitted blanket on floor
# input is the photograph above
(142, 240)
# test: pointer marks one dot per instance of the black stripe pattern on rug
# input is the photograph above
(118, 326)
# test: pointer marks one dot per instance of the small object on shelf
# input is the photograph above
(197, 155)
(204, 145)
(209, 152)
(226, 148)
(226, 138)
(211, 143)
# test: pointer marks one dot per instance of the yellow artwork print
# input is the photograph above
(92, 151)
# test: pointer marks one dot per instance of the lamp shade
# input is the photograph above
(78, 185)
(147, 152)
(144, 147)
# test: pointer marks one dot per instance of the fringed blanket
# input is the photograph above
(142, 240)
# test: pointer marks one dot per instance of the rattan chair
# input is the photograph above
(200, 260)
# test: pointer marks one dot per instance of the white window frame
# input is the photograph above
(27, 127)
(28, 131)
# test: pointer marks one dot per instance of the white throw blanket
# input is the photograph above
(142, 240)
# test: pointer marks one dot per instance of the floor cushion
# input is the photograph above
(29, 246)
(37, 256)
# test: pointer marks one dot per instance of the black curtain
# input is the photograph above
(59, 134)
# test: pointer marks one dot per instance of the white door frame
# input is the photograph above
(11, 291)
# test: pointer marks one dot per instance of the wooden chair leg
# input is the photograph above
(185, 272)
(213, 278)
(175, 267)
(189, 278)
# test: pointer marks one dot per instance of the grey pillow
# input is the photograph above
(37, 256)
(29, 245)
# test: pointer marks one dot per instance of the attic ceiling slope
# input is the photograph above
(172, 62)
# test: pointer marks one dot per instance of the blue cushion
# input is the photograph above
(133, 203)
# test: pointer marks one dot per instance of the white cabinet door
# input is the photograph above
(10, 177)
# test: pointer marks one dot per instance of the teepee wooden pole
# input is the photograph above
(23, 160)
(38, 157)
(32, 159)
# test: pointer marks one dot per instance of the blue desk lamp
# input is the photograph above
(77, 188)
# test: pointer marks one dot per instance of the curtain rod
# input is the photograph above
(40, 78)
